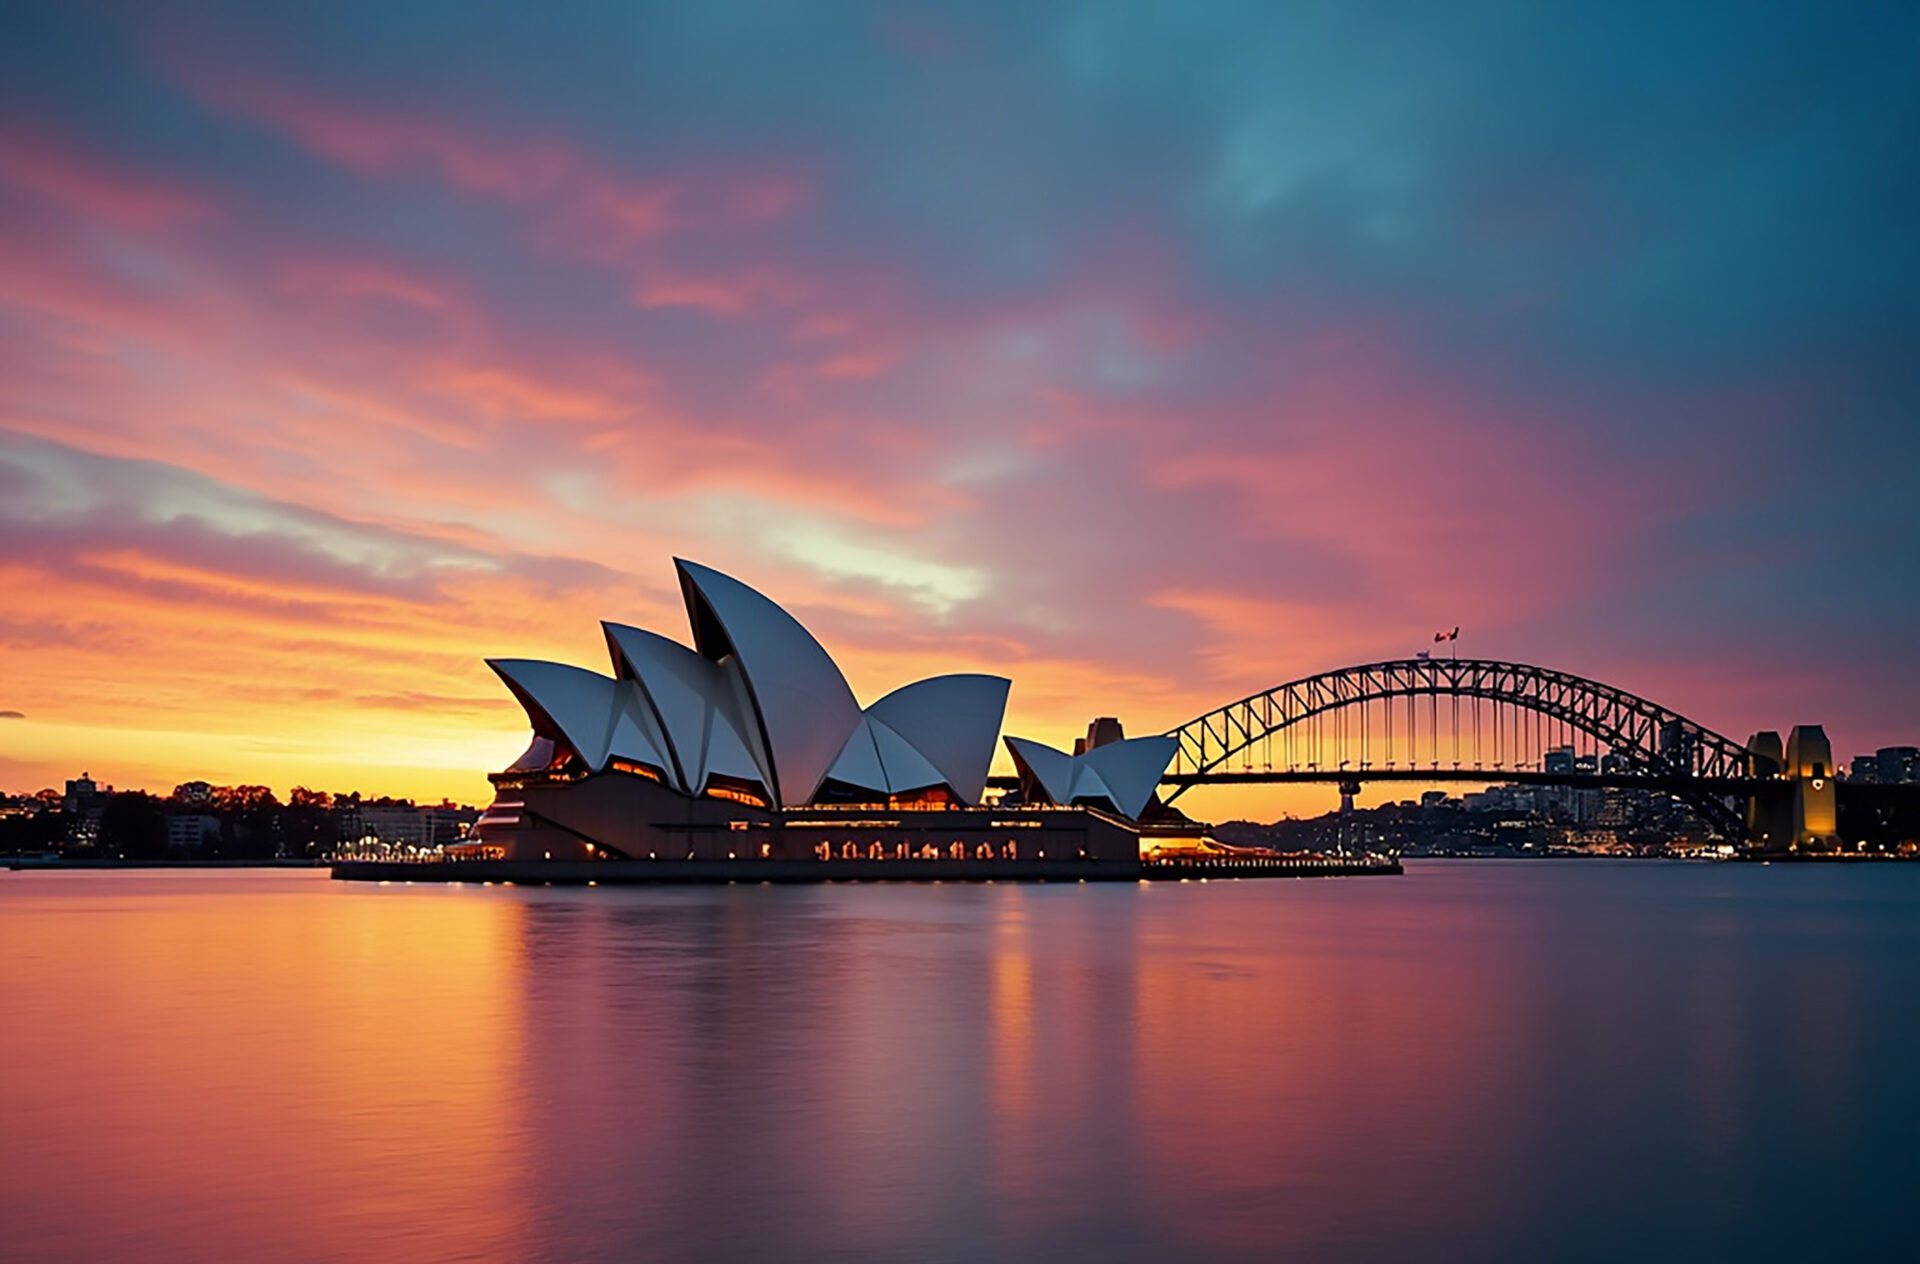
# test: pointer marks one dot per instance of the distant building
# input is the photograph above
(82, 805)
(406, 825)
(194, 793)
(191, 831)
(84, 797)
(1898, 765)
(1677, 744)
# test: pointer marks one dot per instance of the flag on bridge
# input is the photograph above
(1446, 636)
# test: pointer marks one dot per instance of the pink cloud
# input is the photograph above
(702, 294)
(723, 293)
(376, 143)
(853, 367)
(586, 207)
(38, 165)
(582, 204)
(603, 217)
(499, 391)
(356, 279)
(762, 199)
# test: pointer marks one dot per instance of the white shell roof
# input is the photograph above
(1123, 773)
(1053, 769)
(538, 755)
(877, 758)
(805, 708)
(693, 700)
(952, 721)
(760, 701)
(1131, 769)
(599, 717)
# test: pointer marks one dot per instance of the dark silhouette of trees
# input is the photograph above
(249, 823)
(132, 825)
(308, 826)
(38, 827)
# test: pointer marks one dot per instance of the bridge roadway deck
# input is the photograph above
(720, 872)
(1479, 776)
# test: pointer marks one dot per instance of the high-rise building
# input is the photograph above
(82, 804)
(1898, 765)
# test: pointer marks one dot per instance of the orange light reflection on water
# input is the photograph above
(245, 1073)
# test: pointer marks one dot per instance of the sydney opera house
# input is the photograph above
(750, 746)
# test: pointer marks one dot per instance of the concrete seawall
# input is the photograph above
(710, 872)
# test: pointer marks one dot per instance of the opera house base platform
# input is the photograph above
(719, 872)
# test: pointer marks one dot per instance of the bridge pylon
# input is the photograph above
(1795, 806)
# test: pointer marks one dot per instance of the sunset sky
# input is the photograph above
(1149, 354)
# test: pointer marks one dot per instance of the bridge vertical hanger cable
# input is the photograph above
(1433, 718)
(1387, 727)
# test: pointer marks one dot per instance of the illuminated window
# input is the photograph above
(738, 792)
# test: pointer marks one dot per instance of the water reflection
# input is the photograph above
(1477, 1061)
(227, 1066)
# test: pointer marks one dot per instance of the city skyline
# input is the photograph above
(1151, 359)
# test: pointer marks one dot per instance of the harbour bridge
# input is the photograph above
(1486, 721)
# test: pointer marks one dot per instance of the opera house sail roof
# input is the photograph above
(1119, 774)
(755, 710)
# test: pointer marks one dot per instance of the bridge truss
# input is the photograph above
(1458, 717)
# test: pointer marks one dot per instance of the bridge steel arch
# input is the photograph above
(1648, 738)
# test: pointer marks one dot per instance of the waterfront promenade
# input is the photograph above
(710, 872)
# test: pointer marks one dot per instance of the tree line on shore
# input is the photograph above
(239, 822)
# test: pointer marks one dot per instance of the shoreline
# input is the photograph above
(25, 863)
(723, 872)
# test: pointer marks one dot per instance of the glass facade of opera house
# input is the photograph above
(750, 746)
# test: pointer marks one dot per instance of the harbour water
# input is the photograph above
(1548, 1060)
